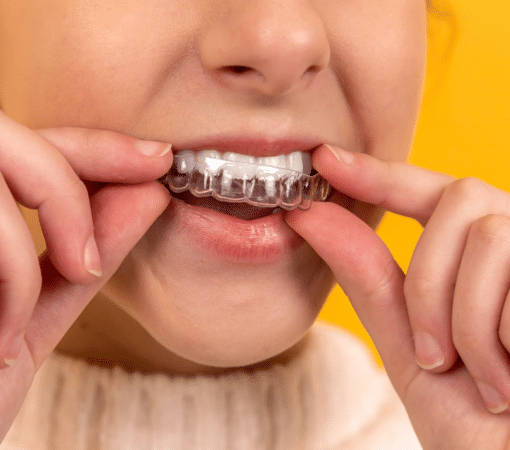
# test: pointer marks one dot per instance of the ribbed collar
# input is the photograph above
(326, 396)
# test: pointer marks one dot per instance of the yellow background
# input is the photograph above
(464, 124)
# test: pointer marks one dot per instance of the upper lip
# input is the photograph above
(253, 146)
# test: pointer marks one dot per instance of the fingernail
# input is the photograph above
(153, 149)
(14, 350)
(493, 399)
(428, 351)
(91, 259)
(341, 155)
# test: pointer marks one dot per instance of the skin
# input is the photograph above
(346, 73)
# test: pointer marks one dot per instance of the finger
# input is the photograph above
(432, 274)
(394, 186)
(107, 156)
(482, 286)
(447, 207)
(40, 178)
(122, 214)
(368, 274)
(103, 156)
(20, 277)
(414, 192)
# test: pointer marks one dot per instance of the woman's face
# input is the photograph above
(258, 77)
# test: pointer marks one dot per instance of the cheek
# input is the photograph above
(228, 316)
(88, 63)
(379, 56)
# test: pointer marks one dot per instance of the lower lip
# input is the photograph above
(258, 241)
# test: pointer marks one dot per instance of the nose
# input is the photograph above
(270, 46)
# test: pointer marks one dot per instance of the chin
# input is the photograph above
(220, 313)
(236, 332)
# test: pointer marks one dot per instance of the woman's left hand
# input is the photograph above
(454, 300)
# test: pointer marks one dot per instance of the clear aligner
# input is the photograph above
(283, 181)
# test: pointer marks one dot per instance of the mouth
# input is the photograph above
(245, 186)
(241, 211)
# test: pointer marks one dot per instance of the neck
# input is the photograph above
(107, 336)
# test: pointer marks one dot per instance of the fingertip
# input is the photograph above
(152, 149)
(333, 163)
(293, 217)
(429, 354)
(318, 217)
(494, 400)
(109, 156)
(161, 196)
(343, 156)
(435, 367)
(13, 351)
(91, 258)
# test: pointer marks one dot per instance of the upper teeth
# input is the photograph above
(238, 166)
(283, 180)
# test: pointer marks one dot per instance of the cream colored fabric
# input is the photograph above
(330, 398)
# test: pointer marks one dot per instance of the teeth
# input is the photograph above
(295, 161)
(243, 166)
(238, 167)
(186, 161)
(209, 161)
(244, 169)
(272, 167)
(283, 180)
(270, 170)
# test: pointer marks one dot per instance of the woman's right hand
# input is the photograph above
(87, 236)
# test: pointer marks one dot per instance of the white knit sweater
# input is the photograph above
(331, 398)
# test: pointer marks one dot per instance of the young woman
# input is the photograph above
(186, 322)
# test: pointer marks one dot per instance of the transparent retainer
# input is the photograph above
(259, 185)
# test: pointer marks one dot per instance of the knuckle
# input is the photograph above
(61, 182)
(465, 188)
(92, 139)
(504, 333)
(467, 338)
(491, 229)
(385, 282)
(33, 285)
(504, 336)
(68, 185)
(76, 190)
(420, 286)
(26, 282)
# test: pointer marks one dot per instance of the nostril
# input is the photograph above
(237, 69)
(314, 69)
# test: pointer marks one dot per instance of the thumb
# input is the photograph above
(365, 269)
(121, 214)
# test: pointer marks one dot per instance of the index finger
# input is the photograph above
(394, 186)
(108, 156)
(366, 271)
